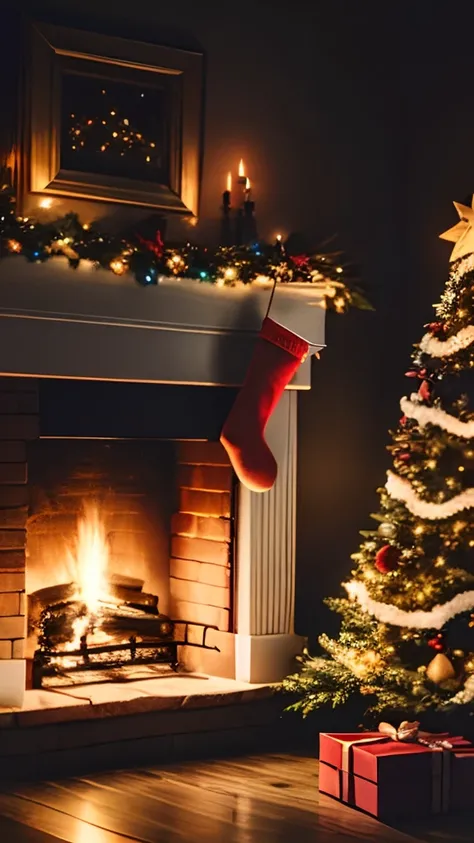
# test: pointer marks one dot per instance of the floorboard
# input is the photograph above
(263, 799)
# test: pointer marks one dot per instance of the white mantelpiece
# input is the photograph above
(88, 323)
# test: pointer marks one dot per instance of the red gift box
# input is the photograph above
(389, 778)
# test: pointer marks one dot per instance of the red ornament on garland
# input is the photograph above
(436, 643)
(387, 559)
(156, 246)
(300, 261)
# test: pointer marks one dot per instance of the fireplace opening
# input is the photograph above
(129, 556)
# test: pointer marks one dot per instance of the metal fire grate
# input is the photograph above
(134, 630)
(104, 663)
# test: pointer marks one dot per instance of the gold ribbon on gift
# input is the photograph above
(409, 732)
(346, 765)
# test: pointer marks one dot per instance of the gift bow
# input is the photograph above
(409, 732)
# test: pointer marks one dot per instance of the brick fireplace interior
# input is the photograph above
(126, 477)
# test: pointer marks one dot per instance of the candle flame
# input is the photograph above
(279, 237)
(247, 184)
(241, 168)
(229, 182)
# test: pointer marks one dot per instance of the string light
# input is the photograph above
(459, 526)
(118, 267)
(244, 264)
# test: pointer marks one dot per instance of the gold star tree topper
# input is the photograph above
(462, 234)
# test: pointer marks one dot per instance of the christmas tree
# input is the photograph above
(406, 643)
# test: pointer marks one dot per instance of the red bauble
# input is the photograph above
(436, 328)
(436, 643)
(387, 559)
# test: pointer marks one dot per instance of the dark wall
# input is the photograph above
(355, 119)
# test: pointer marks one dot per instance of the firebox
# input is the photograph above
(129, 538)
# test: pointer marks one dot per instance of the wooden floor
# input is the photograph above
(265, 799)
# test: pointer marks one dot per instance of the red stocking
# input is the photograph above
(278, 354)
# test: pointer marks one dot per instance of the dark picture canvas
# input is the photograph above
(113, 128)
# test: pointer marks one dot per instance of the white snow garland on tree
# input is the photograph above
(401, 490)
(414, 409)
(465, 695)
(439, 348)
(387, 613)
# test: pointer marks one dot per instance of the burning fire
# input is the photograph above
(89, 562)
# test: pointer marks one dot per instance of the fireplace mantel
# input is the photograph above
(89, 323)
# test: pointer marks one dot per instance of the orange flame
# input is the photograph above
(89, 562)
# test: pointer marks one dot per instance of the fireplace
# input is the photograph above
(125, 539)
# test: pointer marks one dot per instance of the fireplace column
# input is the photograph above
(265, 643)
(18, 424)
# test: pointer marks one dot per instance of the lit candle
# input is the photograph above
(227, 193)
(279, 246)
(242, 179)
(247, 190)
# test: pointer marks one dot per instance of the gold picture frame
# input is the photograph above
(53, 51)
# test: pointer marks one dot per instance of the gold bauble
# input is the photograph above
(440, 669)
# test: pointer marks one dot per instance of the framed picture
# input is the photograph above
(112, 120)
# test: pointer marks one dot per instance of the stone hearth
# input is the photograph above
(137, 722)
